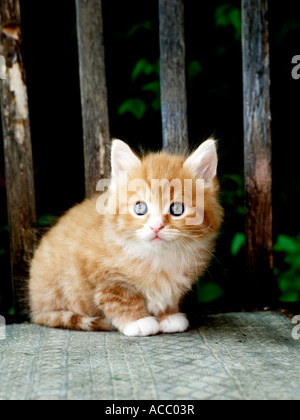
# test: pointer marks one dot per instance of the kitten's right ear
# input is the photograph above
(122, 158)
(204, 161)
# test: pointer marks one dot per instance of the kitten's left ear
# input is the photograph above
(204, 161)
(122, 158)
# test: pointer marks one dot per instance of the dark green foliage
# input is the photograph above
(147, 76)
(237, 243)
(288, 269)
(228, 15)
(136, 106)
(208, 292)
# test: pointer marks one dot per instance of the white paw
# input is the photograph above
(174, 323)
(142, 327)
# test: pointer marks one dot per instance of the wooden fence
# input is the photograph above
(17, 139)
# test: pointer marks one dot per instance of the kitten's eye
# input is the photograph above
(177, 209)
(141, 208)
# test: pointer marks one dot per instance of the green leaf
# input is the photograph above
(290, 297)
(237, 243)
(286, 244)
(297, 283)
(227, 15)
(293, 260)
(285, 284)
(135, 106)
(241, 210)
(208, 292)
(152, 87)
(142, 67)
(2, 251)
(144, 25)
(11, 311)
(288, 276)
(156, 104)
(194, 68)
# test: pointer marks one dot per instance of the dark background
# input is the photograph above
(214, 68)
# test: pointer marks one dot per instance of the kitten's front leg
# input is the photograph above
(173, 322)
(126, 310)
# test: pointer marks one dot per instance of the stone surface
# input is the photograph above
(227, 356)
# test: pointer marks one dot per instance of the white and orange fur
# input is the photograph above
(123, 271)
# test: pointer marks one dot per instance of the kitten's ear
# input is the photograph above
(204, 161)
(122, 158)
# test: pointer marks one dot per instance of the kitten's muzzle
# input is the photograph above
(157, 229)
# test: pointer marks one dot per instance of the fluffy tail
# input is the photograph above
(71, 321)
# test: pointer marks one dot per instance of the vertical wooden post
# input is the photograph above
(173, 78)
(93, 93)
(17, 150)
(257, 147)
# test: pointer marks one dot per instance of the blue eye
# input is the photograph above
(177, 209)
(141, 208)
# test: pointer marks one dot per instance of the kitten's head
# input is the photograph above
(165, 201)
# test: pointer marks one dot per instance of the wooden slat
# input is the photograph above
(93, 93)
(257, 149)
(17, 150)
(173, 78)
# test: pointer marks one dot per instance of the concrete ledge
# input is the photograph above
(227, 356)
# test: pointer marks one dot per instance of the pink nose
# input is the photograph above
(156, 229)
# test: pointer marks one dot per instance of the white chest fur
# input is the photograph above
(163, 291)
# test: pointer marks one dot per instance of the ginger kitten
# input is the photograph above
(125, 258)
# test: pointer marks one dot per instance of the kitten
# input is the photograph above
(109, 264)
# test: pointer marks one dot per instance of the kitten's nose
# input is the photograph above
(156, 229)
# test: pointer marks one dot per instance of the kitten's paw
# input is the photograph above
(142, 327)
(174, 323)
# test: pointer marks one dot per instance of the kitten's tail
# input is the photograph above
(71, 321)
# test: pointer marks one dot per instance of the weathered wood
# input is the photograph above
(173, 77)
(17, 150)
(257, 148)
(93, 93)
